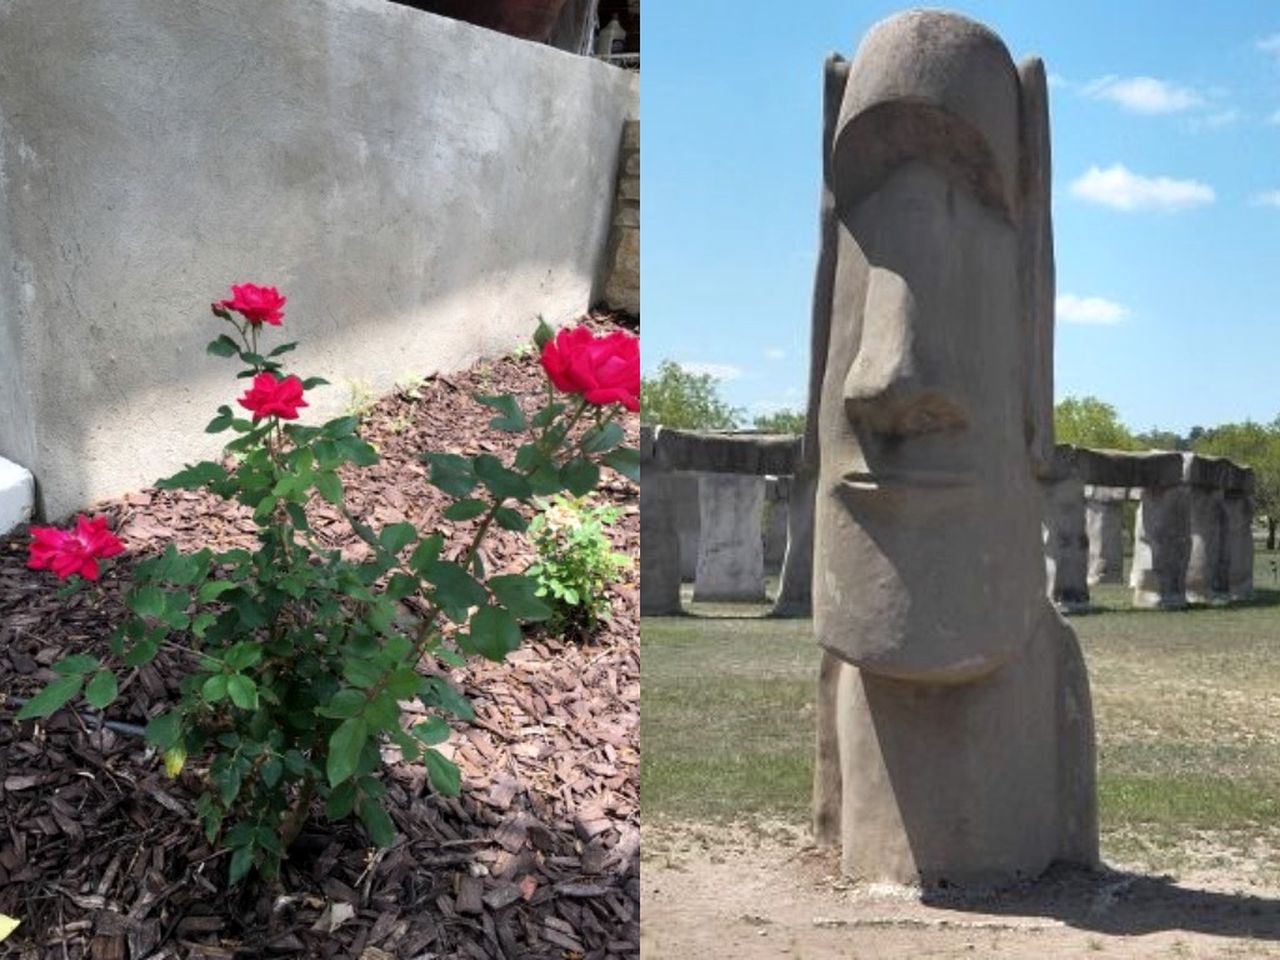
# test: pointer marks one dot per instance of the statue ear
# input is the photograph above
(1036, 255)
(835, 74)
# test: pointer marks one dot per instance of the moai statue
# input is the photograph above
(955, 731)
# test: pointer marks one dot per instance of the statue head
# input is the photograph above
(935, 401)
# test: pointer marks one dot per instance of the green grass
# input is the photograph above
(1187, 707)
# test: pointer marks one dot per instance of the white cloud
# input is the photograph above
(1092, 310)
(716, 371)
(1268, 198)
(1117, 187)
(1057, 81)
(1143, 94)
(1270, 44)
(1216, 121)
(775, 353)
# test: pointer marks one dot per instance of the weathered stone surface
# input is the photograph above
(688, 521)
(1237, 552)
(955, 734)
(1205, 544)
(622, 290)
(730, 551)
(1161, 548)
(1216, 473)
(1104, 526)
(776, 494)
(659, 545)
(1118, 468)
(795, 585)
(757, 454)
(1066, 545)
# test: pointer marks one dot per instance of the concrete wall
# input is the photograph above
(419, 188)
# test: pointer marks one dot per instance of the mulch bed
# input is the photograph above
(101, 855)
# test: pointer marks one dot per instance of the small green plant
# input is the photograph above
(361, 399)
(576, 562)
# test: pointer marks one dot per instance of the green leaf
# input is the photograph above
(341, 427)
(312, 382)
(397, 536)
(580, 476)
(225, 418)
(456, 590)
(283, 348)
(543, 335)
(503, 482)
(51, 698)
(102, 690)
(465, 510)
(602, 439)
(445, 776)
(357, 451)
(342, 800)
(451, 473)
(494, 633)
(451, 657)
(434, 730)
(297, 515)
(194, 476)
(509, 519)
(381, 830)
(330, 487)
(626, 460)
(344, 704)
(142, 652)
(244, 655)
(202, 622)
(243, 691)
(512, 419)
(224, 346)
(76, 665)
(163, 732)
(426, 552)
(213, 589)
(272, 771)
(344, 749)
(518, 594)
(548, 413)
(241, 864)
(215, 688)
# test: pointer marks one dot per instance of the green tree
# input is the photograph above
(674, 397)
(1254, 445)
(781, 421)
(1088, 422)
(1157, 439)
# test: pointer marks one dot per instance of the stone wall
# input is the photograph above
(421, 189)
(622, 289)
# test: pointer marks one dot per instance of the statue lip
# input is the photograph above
(863, 480)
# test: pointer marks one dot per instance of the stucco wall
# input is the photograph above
(419, 188)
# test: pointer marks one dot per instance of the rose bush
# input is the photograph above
(296, 659)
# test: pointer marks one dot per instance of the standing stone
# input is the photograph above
(955, 739)
(688, 521)
(1237, 553)
(622, 283)
(1161, 547)
(1205, 545)
(777, 492)
(1066, 544)
(1104, 526)
(795, 587)
(659, 545)
(731, 552)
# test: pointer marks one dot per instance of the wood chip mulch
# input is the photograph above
(101, 855)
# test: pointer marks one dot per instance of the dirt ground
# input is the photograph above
(712, 891)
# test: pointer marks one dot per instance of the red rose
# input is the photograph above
(269, 397)
(256, 304)
(68, 552)
(602, 369)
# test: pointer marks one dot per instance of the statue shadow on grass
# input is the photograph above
(1119, 903)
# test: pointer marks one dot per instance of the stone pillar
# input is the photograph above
(1104, 526)
(1236, 576)
(622, 286)
(684, 490)
(1066, 544)
(1161, 545)
(795, 589)
(777, 491)
(659, 545)
(731, 554)
(1204, 547)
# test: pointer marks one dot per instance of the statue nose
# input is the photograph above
(884, 390)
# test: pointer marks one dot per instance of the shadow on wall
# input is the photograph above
(419, 188)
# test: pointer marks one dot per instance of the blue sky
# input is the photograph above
(1166, 151)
